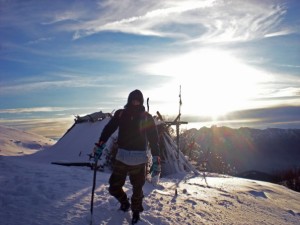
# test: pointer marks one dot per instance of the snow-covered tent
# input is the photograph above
(86, 131)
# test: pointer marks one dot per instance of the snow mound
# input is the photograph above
(15, 142)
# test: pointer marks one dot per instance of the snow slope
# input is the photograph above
(17, 142)
(35, 192)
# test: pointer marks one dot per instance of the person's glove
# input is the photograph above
(156, 166)
(98, 150)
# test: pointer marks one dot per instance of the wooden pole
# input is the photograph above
(177, 125)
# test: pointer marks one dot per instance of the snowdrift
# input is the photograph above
(14, 142)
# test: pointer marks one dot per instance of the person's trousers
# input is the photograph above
(137, 179)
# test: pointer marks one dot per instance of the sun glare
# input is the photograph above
(213, 82)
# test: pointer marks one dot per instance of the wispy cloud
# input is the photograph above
(280, 117)
(190, 20)
(289, 66)
(221, 21)
(64, 16)
(279, 33)
(34, 109)
(287, 92)
(147, 20)
(37, 41)
(232, 21)
(52, 81)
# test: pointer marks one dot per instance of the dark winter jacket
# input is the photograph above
(136, 127)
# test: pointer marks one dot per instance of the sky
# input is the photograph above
(236, 62)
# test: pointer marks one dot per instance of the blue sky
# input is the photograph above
(238, 62)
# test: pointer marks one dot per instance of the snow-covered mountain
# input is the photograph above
(16, 142)
(249, 149)
(38, 193)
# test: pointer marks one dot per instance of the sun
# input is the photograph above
(213, 81)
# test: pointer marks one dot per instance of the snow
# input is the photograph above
(15, 142)
(34, 192)
(75, 145)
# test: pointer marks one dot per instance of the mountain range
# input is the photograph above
(248, 149)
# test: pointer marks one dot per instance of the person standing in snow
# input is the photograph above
(136, 129)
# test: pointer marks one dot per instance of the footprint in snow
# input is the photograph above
(191, 202)
(225, 203)
(293, 213)
(259, 194)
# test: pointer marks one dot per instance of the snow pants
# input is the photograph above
(137, 179)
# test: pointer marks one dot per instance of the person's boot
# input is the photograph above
(135, 217)
(125, 206)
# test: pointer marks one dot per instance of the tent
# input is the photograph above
(86, 131)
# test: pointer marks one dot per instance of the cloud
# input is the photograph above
(146, 19)
(282, 116)
(289, 66)
(37, 41)
(279, 33)
(221, 21)
(286, 92)
(64, 16)
(275, 117)
(52, 81)
(34, 109)
(192, 20)
(232, 21)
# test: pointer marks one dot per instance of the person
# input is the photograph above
(137, 129)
